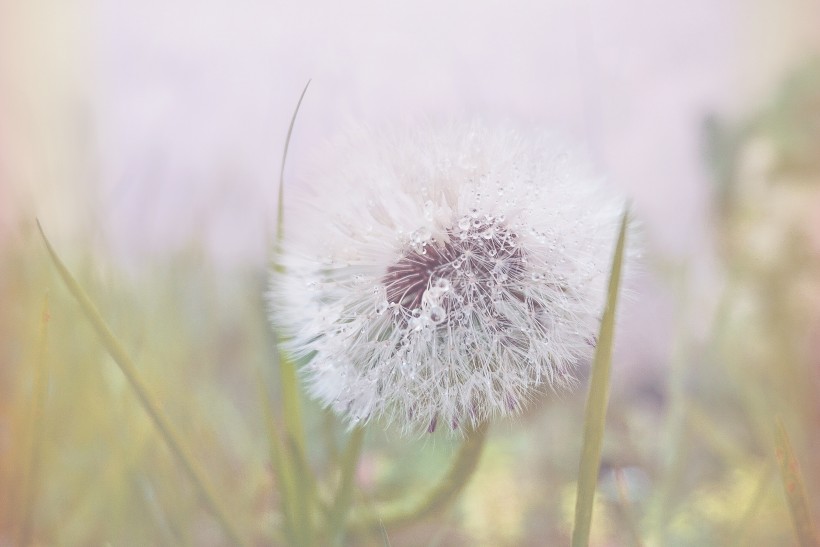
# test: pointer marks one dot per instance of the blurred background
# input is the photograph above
(147, 138)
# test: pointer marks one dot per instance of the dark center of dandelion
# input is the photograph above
(471, 263)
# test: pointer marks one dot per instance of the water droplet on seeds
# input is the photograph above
(428, 210)
(422, 235)
(381, 306)
(442, 283)
(437, 314)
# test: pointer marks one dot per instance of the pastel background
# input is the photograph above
(147, 137)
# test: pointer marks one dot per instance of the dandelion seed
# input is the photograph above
(461, 270)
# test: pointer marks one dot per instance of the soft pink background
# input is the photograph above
(152, 124)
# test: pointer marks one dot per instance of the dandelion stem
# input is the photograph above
(461, 470)
(163, 424)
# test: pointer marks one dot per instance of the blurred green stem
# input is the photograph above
(281, 465)
(37, 427)
(341, 504)
(403, 513)
(626, 507)
(154, 409)
(794, 488)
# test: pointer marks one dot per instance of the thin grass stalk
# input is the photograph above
(291, 401)
(794, 488)
(282, 467)
(344, 495)
(151, 406)
(32, 482)
(307, 501)
(595, 416)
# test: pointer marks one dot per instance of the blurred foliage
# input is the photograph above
(688, 461)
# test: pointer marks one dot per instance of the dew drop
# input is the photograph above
(428, 210)
(442, 283)
(437, 314)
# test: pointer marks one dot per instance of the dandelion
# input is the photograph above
(444, 276)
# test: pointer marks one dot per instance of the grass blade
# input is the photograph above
(282, 467)
(597, 400)
(344, 495)
(280, 213)
(32, 481)
(164, 426)
(291, 402)
(795, 489)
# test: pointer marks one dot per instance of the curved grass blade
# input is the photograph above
(280, 214)
(597, 400)
(795, 489)
(163, 424)
(294, 430)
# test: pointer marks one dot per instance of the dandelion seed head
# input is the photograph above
(445, 275)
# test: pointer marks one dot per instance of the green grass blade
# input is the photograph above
(32, 481)
(306, 500)
(740, 535)
(597, 400)
(162, 423)
(291, 401)
(282, 467)
(344, 495)
(280, 213)
(289, 384)
(795, 489)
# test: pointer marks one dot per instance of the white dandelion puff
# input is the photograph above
(443, 276)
